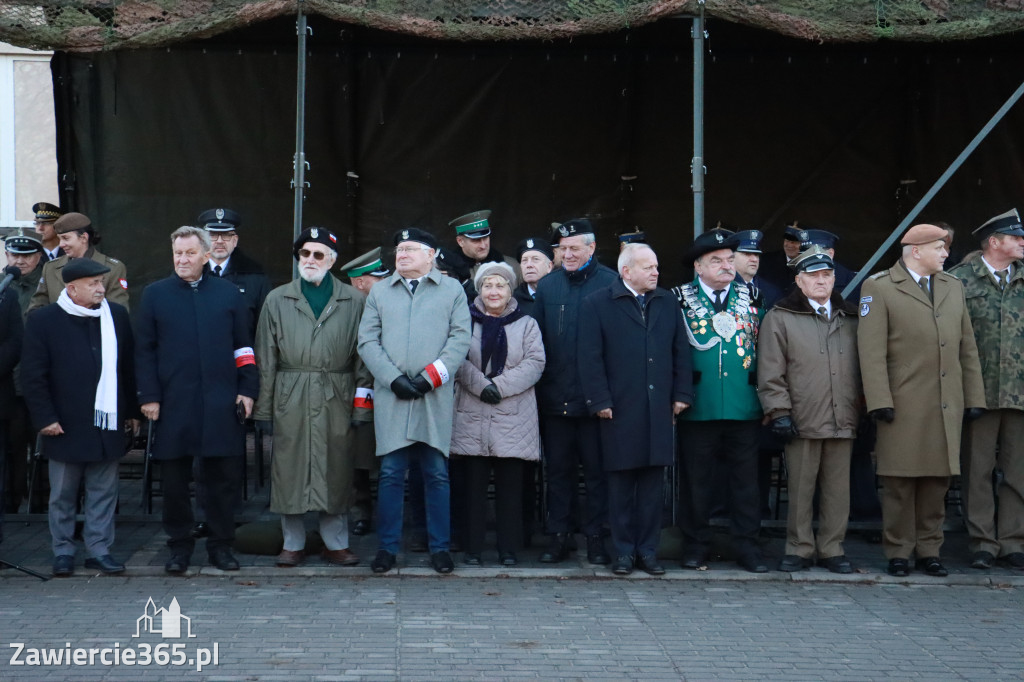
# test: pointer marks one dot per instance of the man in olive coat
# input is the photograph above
(636, 374)
(994, 287)
(312, 387)
(197, 380)
(723, 426)
(77, 374)
(414, 334)
(921, 374)
(78, 239)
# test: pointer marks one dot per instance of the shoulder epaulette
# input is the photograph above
(883, 273)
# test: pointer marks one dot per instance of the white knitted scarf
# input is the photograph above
(105, 416)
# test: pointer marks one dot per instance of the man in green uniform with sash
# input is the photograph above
(724, 422)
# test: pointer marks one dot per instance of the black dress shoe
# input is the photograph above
(508, 559)
(200, 530)
(1014, 560)
(899, 568)
(177, 564)
(442, 562)
(472, 559)
(558, 549)
(105, 563)
(648, 563)
(623, 565)
(792, 563)
(694, 560)
(63, 565)
(361, 527)
(753, 562)
(596, 553)
(837, 564)
(223, 559)
(983, 560)
(383, 562)
(931, 566)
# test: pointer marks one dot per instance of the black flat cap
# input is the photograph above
(77, 268)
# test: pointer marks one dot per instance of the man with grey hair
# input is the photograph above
(197, 380)
(636, 395)
(313, 390)
(570, 433)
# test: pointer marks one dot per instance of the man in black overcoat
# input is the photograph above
(635, 368)
(77, 377)
(197, 381)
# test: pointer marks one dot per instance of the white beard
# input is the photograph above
(313, 277)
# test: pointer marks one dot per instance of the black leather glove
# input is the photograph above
(491, 395)
(885, 414)
(784, 428)
(266, 426)
(972, 413)
(405, 389)
(422, 385)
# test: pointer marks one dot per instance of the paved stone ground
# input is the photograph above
(439, 628)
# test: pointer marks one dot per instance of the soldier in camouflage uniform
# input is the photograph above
(994, 287)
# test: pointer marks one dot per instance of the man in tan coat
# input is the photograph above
(313, 386)
(919, 364)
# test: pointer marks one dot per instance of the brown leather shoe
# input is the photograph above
(288, 558)
(340, 557)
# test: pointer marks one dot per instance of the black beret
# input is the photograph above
(414, 234)
(319, 235)
(712, 240)
(220, 220)
(572, 228)
(534, 244)
(77, 268)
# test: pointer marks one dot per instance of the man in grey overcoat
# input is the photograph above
(313, 388)
(414, 334)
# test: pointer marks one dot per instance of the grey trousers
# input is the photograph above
(100, 501)
(333, 531)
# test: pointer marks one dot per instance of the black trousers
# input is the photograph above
(220, 495)
(508, 501)
(634, 510)
(734, 444)
(568, 443)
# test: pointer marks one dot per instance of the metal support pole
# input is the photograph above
(953, 167)
(697, 165)
(299, 161)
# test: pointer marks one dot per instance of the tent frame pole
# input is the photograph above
(953, 167)
(697, 169)
(299, 162)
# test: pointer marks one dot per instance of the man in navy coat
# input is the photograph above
(197, 381)
(635, 369)
(77, 377)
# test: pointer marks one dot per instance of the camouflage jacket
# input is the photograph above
(998, 320)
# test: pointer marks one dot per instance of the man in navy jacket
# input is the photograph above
(197, 381)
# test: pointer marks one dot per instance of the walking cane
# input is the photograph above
(147, 472)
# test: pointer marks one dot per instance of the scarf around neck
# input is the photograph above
(105, 405)
(493, 340)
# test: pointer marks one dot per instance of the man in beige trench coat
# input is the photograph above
(313, 387)
(919, 364)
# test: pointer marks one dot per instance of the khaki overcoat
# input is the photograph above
(309, 373)
(51, 283)
(919, 358)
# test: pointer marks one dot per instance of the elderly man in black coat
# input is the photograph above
(635, 369)
(197, 381)
(77, 375)
(11, 484)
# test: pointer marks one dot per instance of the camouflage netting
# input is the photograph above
(89, 25)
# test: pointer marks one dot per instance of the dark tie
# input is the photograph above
(217, 269)
(1003, 275)
(719, 302)
(640, 300)
(413, 283)
(923, 282)
(823, 312)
